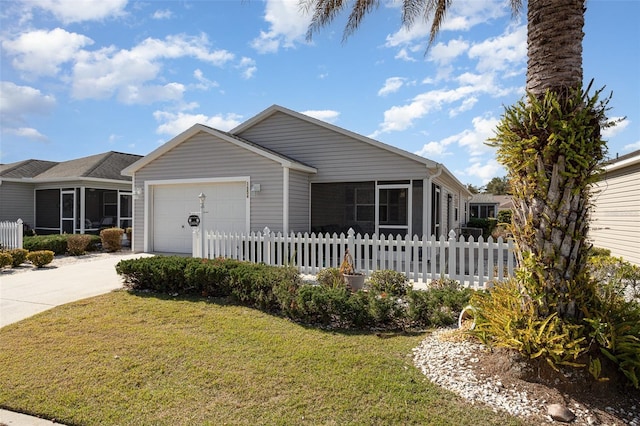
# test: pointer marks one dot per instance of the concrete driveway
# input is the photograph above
(24, 293)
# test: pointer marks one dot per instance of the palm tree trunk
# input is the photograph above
(554, 45)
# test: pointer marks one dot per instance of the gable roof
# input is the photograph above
(277, 108)
(623, 161)
(107, 165)
(228, 137)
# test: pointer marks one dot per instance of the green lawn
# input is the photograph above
(129, 359)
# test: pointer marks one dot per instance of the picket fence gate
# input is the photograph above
(11, 234)
(474, 263)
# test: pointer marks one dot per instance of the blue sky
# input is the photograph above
(81, 77)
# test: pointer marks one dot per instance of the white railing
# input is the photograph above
(472, 263)
(11, 234)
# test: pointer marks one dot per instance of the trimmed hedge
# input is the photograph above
(40, 258)
(57, 243)
(280, 290)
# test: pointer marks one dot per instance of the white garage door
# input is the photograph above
(225, 211)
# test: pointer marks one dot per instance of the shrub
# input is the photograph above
(330, 277)
(486, 224)
(163, 274)
(257, 284)
(40, 258)
(437, 306)
(209, 277)
(5, 259)
(77, 244)
(111, 239)
(18, 256)
(504, 216)
(56, 243)
(388, 281)
(323, 305)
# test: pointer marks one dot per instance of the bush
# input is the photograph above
(18, 256)
(77, 244)
(5, 259)
(40, 258)
(504, 216)
(209, 277)
(486, 224)
(437, 306)
(330, 277)
(388, 281)
(111, 239)
(56, 243)
(163, 274)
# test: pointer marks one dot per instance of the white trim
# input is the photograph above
(409, 188)
(285, 200)
(150, 185)
(619, 164)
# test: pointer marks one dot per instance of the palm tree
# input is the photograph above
(551, 165)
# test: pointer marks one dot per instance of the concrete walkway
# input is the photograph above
(25, 293)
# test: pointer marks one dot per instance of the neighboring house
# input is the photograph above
(615, 214)
(76, 196)
(484, 205)
(288, 172)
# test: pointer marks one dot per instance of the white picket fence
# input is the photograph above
(11, 234)
(472, 263)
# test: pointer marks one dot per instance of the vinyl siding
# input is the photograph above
(205, 156)
(337, 157)
(298, 201)
(615, 218)
(16, 202)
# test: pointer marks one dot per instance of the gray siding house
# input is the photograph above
(291, 173)
(75, 196)
(615, 215)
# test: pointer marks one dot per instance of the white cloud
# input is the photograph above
(485, 171)
(612, 131)
(433, 149)
(466, 105)
(162, 14)
(100, 74)
(632, 146)
(134, 94)
(203, 82)
(443, 54)
(248, 67)
(391, 85)
(42, 52)
(173, 123)
(403, 54)
(462, 16)
(472, 141)
(17, 101)
(327, 115)
(81, 10)
(26, 132)
(501, 53)
(287, 26)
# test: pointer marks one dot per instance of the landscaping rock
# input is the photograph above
(560, 413)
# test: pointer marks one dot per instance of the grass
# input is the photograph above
(129, 359)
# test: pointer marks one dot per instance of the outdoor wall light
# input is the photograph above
(137, 192)
(255, 187)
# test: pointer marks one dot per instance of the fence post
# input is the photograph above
(351, 246)
(266, 248)
(20, 232)
(452, 255)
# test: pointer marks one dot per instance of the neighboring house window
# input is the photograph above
(110, 204)
(483, 211)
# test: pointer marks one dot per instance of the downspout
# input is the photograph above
(427, 196)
